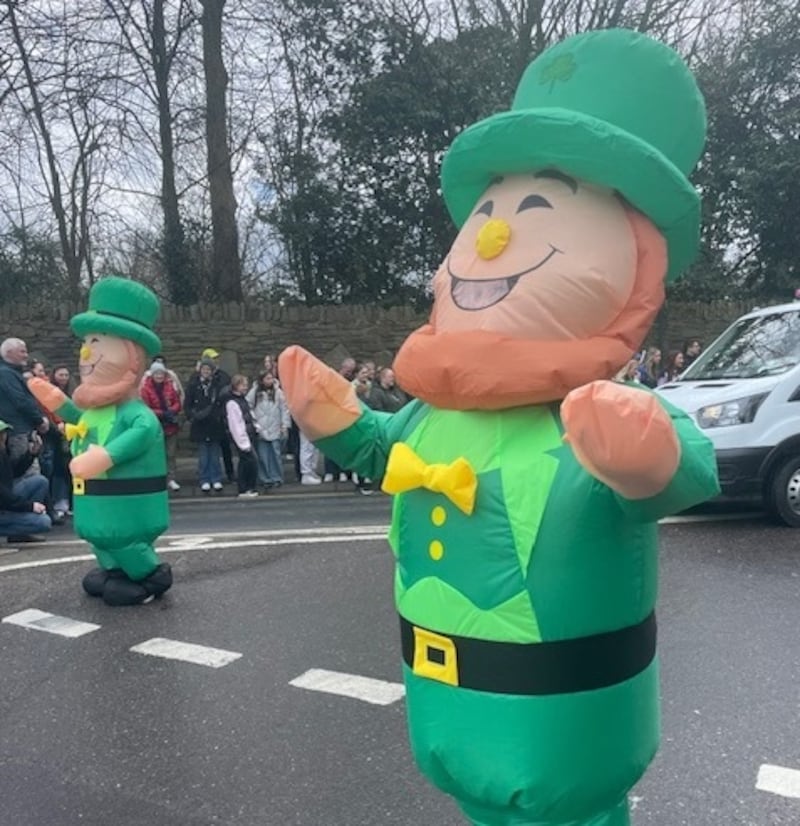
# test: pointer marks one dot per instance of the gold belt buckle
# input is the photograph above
(435, 657)
(78, 486)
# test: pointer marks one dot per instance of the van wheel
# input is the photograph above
(785, 492)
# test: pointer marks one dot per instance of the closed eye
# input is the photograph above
(485, 209)
(533, 201)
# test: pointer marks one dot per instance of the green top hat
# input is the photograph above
(611, 107)
(123, 308)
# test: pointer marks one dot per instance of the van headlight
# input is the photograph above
(739, 411)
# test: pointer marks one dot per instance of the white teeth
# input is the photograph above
(477, 295)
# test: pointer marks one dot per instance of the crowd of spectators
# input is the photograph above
(651, 370)
(226, 417)
(241, 428)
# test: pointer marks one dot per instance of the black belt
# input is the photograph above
(117, 487)
(558, 667)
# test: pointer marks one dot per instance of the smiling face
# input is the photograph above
(541, 257)
(61, 377)
(110, 370)
(550, 284)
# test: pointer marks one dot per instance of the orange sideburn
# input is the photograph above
(483, 370)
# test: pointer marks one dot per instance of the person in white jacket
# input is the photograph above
(244, 432)
(271, 416)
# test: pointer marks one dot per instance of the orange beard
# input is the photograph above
(112, 384)
(484, 370)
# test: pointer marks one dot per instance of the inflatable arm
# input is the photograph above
(51, 398)
(321, 401)
(647, 451)
(326, 409)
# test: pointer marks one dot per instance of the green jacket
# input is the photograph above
(133, 437)
(549, 552)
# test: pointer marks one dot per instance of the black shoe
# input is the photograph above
(95, 581)
(125, 591)
(27, 537)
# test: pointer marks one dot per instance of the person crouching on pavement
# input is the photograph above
(23, 513)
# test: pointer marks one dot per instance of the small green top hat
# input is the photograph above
(123, 308)
(612, 107)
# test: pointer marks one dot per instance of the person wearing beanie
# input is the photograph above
(119, 471)
(171, 374)
(162, 397)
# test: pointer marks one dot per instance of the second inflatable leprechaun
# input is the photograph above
(527, 484)
(119, 465)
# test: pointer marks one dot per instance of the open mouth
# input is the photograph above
(88, 369)
(478, 294)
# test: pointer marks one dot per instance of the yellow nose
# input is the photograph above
(493, 238)
(85, 353)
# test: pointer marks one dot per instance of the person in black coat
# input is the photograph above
(204, 409)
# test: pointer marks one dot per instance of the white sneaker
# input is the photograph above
(343, 477)
(248, 494)
(173, 485)
(205, 487)
(310, 479)
(328, 477)
(217, 485)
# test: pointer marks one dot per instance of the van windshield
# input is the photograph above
(765, 345)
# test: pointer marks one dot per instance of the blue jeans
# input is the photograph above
(33, 488)
(270, 466)
(209, 462)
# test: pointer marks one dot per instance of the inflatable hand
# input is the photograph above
(321, 401)
(91, 463)
(48, 395)
(622, 436)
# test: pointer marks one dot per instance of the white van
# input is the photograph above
(744, 394)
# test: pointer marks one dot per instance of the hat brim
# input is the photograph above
(111, 325)
(588, 149)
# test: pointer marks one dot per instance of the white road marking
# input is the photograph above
(777, 780)
(172, 538)
(377, 692)
(322, 539)
(185, 543)
(190, 541)
(42, 621)
(186, 652)
(709, 517)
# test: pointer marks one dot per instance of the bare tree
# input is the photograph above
(43, 71)
(154, 47)
(226, 271)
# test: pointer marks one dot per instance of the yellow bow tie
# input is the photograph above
(73, 430)
(406, 471)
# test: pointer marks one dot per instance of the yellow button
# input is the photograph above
(438, 516)
(436, 550)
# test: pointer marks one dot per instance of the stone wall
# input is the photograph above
(244, 333)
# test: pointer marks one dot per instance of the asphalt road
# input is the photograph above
(95, 733)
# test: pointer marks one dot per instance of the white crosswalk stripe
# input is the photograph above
(51, 623)
(377, 692)
(778, 780)
(186, 652)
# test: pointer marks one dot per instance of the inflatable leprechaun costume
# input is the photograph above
(119, 466)
(528, 485)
